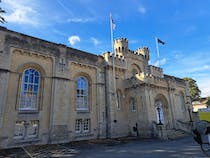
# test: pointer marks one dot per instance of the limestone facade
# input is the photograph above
(50, 93)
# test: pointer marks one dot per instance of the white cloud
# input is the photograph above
(177, 54)
(80, 20)
(20, 12)
(189, 30)
(197, 69)
(71, 14)
(162, 62)
(95, 41)
(204, 86)
(74, 39)
(65, 8)
(142, 10)
(133, 41)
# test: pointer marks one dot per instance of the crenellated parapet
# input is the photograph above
(156, 71)
(121, 46)
(119, 60)
(175, 80)
(144, 52)
(134, 55)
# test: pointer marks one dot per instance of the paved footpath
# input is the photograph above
(147, 148)
(181, 148)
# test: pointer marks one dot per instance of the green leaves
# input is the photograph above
(194, 90)
(208, 101)
(2, 20)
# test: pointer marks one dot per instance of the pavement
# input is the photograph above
(118, 148)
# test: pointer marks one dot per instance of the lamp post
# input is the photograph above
(158, 109)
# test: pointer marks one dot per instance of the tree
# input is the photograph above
(194, 90)
(2, 20)
(208, 101)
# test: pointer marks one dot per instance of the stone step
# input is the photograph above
(175, 134)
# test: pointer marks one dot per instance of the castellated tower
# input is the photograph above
(143, 51)
(121, 46)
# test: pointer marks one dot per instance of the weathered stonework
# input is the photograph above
(128, 110)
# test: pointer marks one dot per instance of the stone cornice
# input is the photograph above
(83, 65)
(149, 85)
(30, 53)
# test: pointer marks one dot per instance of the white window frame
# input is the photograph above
(78, 126)
(19, 128)
(26, 127)
(34, 124)
(82, 126)
(86, 125)
(30, 86)
(132, 104)
(82, 94)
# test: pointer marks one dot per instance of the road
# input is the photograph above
(185, 147)
(146, 148)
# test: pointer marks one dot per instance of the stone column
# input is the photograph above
(4, 78)
(162, 132)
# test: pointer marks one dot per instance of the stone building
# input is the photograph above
(199, 104)
(50, 93)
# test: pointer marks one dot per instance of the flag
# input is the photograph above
(159, 41)
(112, 22)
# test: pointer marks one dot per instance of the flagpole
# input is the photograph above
(113, 54)
(158, 52)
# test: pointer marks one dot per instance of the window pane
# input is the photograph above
(78, 125)
(37, 79)
(36, 73)
(26, 78)
(86, 125)
(82, 94)
(30, 88)
(25, 87)
(27, 72)
(32, 130)
(31, 78)
(35, 88)
(19, 130)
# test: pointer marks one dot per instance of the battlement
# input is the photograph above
(121, 46)
(156, 71)
(119, 60)
(144, 52)
(120, 40)
(135, 54)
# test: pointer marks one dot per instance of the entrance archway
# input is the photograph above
(161, 109)
(159, 113)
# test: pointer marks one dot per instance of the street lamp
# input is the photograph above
(158, 109)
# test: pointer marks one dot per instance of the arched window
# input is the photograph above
(159, 112)
(118, 99)
(134, 72)
(82, 93)
(30, 86)
(132, 104)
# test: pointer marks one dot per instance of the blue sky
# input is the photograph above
(84, 24)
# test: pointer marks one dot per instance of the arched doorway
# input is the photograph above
(161, 110)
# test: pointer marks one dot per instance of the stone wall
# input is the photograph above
(112, 112)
